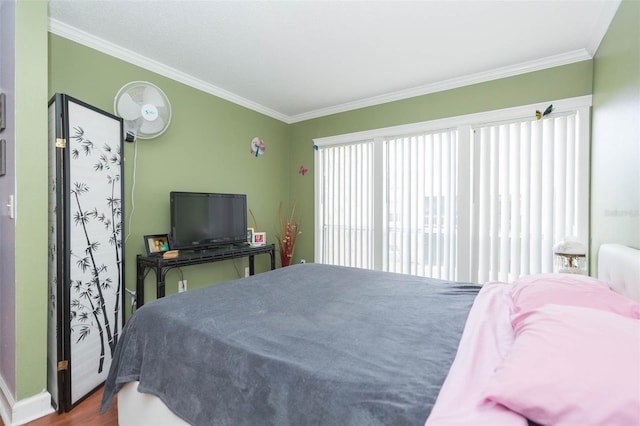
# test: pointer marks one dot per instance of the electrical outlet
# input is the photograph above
(303, 261)
(182, 286)
(246, 271)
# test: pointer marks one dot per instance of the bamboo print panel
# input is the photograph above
(95, 228)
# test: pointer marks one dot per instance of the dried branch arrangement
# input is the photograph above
(289, 231)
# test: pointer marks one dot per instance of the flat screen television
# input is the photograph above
(203, 220)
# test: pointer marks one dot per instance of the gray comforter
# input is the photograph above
(304, 345)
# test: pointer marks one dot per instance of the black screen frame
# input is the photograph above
(212, 233)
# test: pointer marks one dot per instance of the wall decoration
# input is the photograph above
(546, 112)
(302, 170)
(257, 146)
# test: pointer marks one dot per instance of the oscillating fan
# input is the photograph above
(145, 109)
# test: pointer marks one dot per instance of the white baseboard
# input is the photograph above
(20, 412)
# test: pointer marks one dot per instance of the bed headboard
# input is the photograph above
(620, 266)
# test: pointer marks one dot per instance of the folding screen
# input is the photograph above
(86, 270)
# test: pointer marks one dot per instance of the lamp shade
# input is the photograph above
(570, 257)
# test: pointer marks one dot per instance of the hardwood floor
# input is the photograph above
(85, 413)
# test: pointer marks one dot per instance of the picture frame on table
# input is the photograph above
(158, 243)
(259, 239)
(250, 232)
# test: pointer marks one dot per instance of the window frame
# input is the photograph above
(465, 125)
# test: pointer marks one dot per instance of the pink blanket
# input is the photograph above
(486, 340)
(526, 345)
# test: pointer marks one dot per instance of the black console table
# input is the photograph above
(162, 266)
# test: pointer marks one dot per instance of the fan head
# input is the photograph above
(145, 109)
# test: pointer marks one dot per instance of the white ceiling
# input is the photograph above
(295, 60)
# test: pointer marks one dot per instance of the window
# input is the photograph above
(420, 214)
(472, 198)
(529, 192)
(346, 194)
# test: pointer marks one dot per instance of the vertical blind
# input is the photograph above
(471, 203)
(420, 218)
(346, 204)
(527, 195)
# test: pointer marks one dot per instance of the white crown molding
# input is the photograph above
(477, 119)
(609, 10)
(63, 30)
(454, 83)
(82, 37)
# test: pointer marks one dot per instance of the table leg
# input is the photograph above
(139, 285)
(160, 283)
(252, 268)
(272, 253)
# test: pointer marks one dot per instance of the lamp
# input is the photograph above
(570, 257)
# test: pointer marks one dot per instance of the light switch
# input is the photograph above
(10, 207)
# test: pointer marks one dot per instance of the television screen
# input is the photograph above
(200, 220)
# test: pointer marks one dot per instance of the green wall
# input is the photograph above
(555, 83)
(31, 197)
(206, 148)
(615, 151)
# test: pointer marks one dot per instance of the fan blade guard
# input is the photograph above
(127, 108)
(145, 108)
(151, 96)
(150, 127)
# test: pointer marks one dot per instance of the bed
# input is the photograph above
(320, 344)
